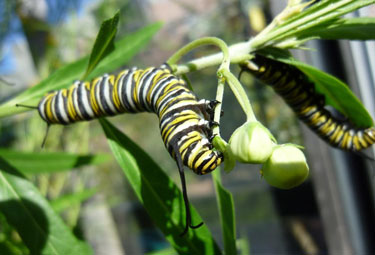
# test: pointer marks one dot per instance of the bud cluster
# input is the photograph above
(284, 166)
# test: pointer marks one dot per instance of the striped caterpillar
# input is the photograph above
(299, 93)
(185, 122)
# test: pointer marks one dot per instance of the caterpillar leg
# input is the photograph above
(188, 223)
(45, 136)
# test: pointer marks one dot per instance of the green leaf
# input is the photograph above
(68, 200)
(350, 29)
(104, 43)
(227, 215)
(159, 195)
(323, 12)
(49, 162)
(336, 92)
(40, 228)
(243, 246)
(166, 251)
(125, 49)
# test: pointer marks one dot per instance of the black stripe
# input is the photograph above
(127, 105)
(103, 101)
(85, 115)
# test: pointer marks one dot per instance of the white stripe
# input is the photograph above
(42, 108)
(53, 107)
(97, 93)
(129, 94)
(75, 99)
(174, 106)
(85, 102)
(62, 108)
(170, 97)
(160, 83)
(147, 87)
(107, 96)
(120, 82)
(183, 126)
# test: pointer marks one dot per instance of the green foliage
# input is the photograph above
(68, 200)
(49, 162)
(350, 29)
(227, 214)
(104, 43)
(336, 92)
(290, 24)
(43, 231)
(159, 195)
(125, 49)
(40, 228)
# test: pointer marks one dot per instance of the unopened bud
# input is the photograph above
(286, 168)
(251, 143)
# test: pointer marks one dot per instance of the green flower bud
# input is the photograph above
(251, 143)
(286, 168)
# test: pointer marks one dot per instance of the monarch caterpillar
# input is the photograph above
(299, 93)
(185, 122)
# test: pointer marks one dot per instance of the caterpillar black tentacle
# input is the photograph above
(299, 93)
(185, 122)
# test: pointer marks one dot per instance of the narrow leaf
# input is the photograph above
(49, 162)
(227, 215)
(40, 228)
(104, 43)
(125, 49)
(68, 200)
(337, 93)
(159, 195)
(323, 12)
(350, 29)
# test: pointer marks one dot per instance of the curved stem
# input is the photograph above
(200, 42)
(240, 94)
(237, 54)
(225, 62)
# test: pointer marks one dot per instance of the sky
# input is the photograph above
(52, 11)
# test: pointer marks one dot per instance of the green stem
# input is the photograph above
(237, 54)
(173, 60)
(303, 23)
(240, 94)
(224, 66)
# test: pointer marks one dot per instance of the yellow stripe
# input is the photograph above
(71, 110)
(167, 107)
(357, 145)
(201, 158)
(335, 133)
(48, 108)
(115, 95)
(137, 78)
(287, 86)
(177, 121)
(167, 89)
(159, 76)
(170, 132)
(207, 166)
(345, 140)
(339, 135)
(187, 143)
(363, 142)
(94, 103)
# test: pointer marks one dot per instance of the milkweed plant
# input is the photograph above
(281, 165)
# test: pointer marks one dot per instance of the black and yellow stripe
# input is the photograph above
(185, 122)
(299, 93)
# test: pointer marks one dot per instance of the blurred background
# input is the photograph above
(331, 213)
